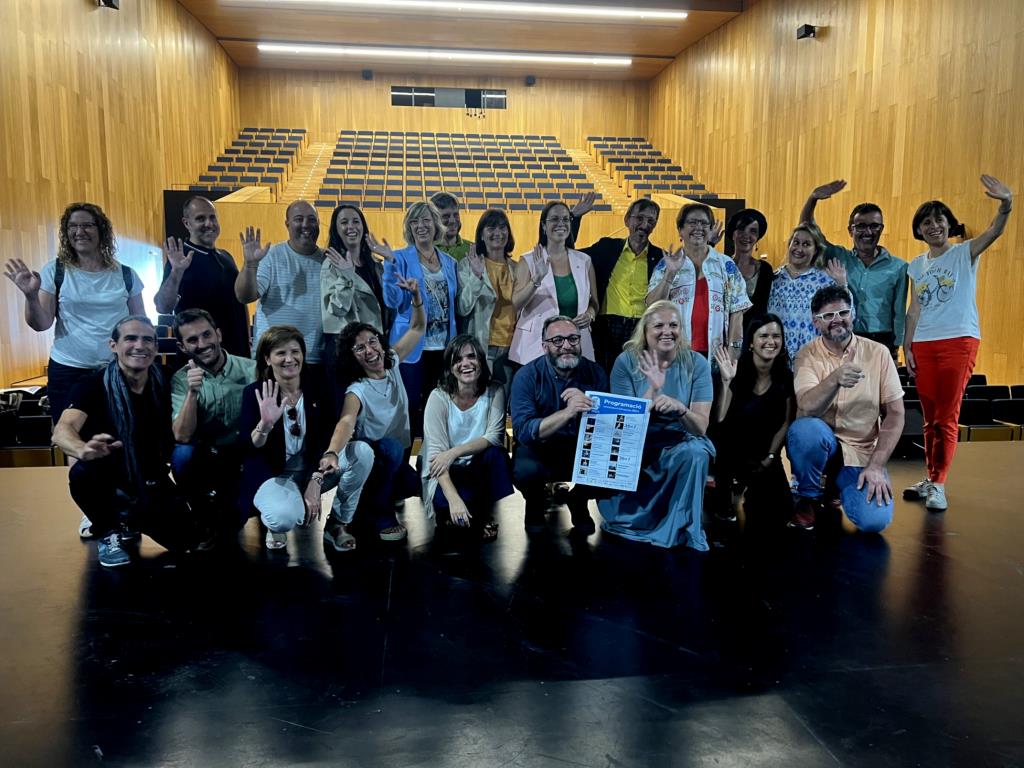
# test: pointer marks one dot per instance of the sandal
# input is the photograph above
(489, 532)
(394, 533)
(339, 538)
(276, 541)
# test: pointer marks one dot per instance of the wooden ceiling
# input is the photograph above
(240, 26)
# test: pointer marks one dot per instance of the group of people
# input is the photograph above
(361, 348)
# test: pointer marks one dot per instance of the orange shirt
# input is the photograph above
(854, 413)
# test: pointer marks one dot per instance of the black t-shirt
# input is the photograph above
(209, 283)
(753, 420)
(152, 422)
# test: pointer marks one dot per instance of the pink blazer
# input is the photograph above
(544, 303)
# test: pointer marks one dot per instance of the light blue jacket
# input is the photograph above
(407, 264)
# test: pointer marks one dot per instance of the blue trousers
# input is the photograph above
(813, 449)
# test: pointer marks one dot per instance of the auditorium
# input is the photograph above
(459, 382)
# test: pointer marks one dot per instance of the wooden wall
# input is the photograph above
(908, 101)
(106, 106)
(326, 102)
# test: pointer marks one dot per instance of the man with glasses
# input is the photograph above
(206, 401)
(876, 278)
(548, 400)
(623, 268)
(117, 424)
(850, 417)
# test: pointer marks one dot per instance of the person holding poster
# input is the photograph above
(658, 365)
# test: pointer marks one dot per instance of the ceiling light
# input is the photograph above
(440, 55)
(482, 7)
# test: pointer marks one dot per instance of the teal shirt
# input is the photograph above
(879, 291)
(220, 400)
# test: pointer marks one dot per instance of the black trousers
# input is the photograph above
(551, 461)
(98, 488)
(611, 332)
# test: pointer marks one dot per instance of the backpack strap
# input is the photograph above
(58, 279)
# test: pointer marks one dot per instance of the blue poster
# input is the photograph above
(610, 444)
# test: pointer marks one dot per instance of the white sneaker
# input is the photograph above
(276, 541)
(918, 491)
(85, 528)
(936, 500)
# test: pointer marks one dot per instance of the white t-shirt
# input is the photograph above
(945, 289)
(288, 284)
(464, 426)
(385, 406)
(89, 305)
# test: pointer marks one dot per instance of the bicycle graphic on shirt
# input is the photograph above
(939, 289)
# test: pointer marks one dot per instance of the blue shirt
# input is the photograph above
(879, 291)
(537, 393)
(407, 264)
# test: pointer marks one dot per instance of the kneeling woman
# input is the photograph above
(283, 429)
(756, 405)
(371, 438)
(657, 364)
(465, 468)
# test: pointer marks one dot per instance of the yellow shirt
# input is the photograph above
(503, 320)
(627, 286)
(855, 412)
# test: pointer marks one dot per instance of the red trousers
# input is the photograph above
(943, 370)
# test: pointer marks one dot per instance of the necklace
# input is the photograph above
(384, 391)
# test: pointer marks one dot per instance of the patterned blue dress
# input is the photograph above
(790, 299)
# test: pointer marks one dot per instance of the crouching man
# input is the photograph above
(117, 425)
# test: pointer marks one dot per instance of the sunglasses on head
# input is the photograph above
(294, 429)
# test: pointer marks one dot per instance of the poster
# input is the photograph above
(610, 444)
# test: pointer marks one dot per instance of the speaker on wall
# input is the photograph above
(367, 74)
(530, 81)
(115, 4)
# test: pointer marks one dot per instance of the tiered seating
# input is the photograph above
(263, 157)
(391, 169)
(640, 169)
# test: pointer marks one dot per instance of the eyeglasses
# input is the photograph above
(828, 317)
(294, 428)
(558, 341)
(868, 227)
(372, 343)
(73, 227)
(697, 224)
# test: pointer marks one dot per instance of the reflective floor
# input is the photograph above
(777, 648)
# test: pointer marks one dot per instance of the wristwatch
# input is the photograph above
(736, 345)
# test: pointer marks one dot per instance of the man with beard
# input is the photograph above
(850, 409)
(877, 279)
(206, 400)
(449, 240)
(285, 281)
(623, 268)
(548, 399)
(198, 274)
(117, 426)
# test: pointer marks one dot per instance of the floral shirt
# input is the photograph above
(790, 299)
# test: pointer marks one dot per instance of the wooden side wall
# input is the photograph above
(106, 106)
(326, 102)
(908, 101)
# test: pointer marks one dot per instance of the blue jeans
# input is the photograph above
(813, 449)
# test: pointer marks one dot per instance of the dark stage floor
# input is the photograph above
(784, 649)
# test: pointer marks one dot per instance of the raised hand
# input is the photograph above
(99, 446)
(380, 247)
(726, 365)
(585, 205)
(995, 189)
(476, 261)
(174, 251)
(253, 249)
(825, 191)
(717, 230)
(673, 262)
(26, 280)
(837, 272)
(409, 284)
(541, 263)
(652, 370)
(339, 260)
(270, 408)
(194, 376)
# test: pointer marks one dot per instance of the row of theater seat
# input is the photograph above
(258, 157)
(640, 169)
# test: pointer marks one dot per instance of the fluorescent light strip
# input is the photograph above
(478, 6)
(433, 54)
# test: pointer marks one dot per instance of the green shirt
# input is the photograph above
(879, 291)
(220, 400)
(457, 251)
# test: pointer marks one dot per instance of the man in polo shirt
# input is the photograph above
(450, 241)
(284, 280)
(623, 268)
(877, 279)
(548, 398)
(206, 400)
(198, 274)
(850, 408)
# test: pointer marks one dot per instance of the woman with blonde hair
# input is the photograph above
(657, 364)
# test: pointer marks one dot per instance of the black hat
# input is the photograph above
(756, 215)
